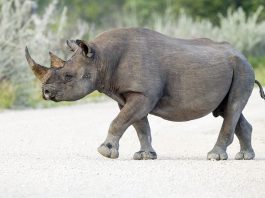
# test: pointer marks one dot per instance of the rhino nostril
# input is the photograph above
(46, 92)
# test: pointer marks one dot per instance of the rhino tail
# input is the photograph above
(261, 91)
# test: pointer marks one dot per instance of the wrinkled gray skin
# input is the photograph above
(150, 73)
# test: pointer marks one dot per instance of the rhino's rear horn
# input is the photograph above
(37, 69)
(56, 62)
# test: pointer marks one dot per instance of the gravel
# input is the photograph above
(53, 153)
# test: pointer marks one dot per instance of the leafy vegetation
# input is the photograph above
(259, 67)
(21, 27)
(44, 25)
(102, 11)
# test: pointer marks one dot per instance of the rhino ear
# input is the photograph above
(87, 50)
(72, 45)
(56, 62)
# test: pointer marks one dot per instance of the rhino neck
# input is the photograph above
(106, 84)
(106, 80)
(109, 53)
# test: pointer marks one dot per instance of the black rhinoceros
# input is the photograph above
(149, 73)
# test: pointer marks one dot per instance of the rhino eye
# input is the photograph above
(68, 77)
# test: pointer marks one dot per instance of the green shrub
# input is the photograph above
(245, 33)
(260, 75)
(257, 62)
(259, 67)
(20, 26)
(7, 95)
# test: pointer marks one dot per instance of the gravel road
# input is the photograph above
(53, 153)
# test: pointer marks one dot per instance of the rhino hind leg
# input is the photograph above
(243, 132)
(231, 110)
(144, 134)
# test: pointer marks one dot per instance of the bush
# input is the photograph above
(259, 66)
(246, 33)
(257, 62)
(7, 95)
(21, 26)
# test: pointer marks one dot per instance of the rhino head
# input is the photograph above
(67, 80)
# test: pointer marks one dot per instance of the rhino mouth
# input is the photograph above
(49, 92)
(54, 98)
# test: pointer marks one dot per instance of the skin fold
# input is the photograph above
(149, 73)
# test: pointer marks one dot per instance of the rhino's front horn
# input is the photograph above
(38, 70)
(56, 62)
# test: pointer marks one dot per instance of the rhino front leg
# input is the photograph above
(143, 130)
(144, 134)
(137, 106)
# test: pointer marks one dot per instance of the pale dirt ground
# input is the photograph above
(53, 153)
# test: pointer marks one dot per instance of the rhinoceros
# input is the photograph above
(146, 72)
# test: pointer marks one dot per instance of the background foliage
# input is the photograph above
(45, 25)
(98, 11)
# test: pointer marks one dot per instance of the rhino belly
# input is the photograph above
(193, 95)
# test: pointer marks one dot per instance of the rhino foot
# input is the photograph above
(107, 150)
(145, 155)
(245, 155)
(217, 154)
